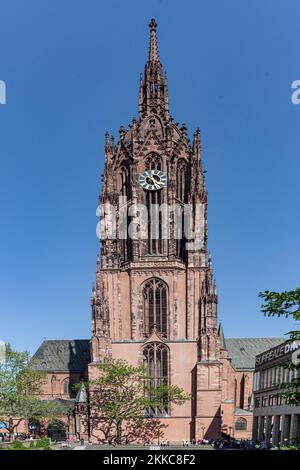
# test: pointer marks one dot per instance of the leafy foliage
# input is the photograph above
(40, 444)
(120, 397)
(17, 445)
(285, 303)
(43, 444)
(20, 387)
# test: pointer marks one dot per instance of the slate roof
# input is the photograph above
(243, 350)
(74, 355)
(63, 355)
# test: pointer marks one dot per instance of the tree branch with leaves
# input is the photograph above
(20, 390)
(121, 397)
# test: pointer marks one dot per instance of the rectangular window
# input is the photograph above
(286, 375)
(265, 401)
(277, 376)
(256, 381)
(269, 378)
(273, 381)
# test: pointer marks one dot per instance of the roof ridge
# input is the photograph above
(255, 337)
(67, 340)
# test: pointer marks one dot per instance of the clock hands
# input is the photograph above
(153, 179)
(155, 183)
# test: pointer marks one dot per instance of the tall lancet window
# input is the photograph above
(156, 361)
(153, 203)
(125, 193)
(181, 177)
(124, 182)
(181, 194)
(155, 296)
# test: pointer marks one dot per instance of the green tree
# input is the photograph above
(20, 387)
(121, 398)
(285, 304)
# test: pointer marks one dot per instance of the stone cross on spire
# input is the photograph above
(153, 49)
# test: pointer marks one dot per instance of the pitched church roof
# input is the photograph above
(63, 355)
(74, 355)
(243, 350)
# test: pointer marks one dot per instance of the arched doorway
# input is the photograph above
(57, 431)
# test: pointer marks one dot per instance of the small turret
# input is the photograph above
(197, 143)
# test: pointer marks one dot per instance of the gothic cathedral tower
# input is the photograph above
(154, 298)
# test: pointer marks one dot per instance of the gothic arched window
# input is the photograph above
(124, 182)
(156, 361)
(155, 296)
(181, 176)
(153, 162)
(125, 192)
(242, 392)
(181, 194)
(67, 387)
(241, 424)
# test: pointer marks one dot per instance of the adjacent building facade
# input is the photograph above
(274, 420)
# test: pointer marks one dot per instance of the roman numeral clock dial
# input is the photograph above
(153, 180)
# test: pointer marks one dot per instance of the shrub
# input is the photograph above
(17, 445)
(43, 443)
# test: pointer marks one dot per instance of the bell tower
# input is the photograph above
(154, 274)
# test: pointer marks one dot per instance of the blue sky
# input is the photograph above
(72, 70)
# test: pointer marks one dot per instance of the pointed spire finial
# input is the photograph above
(153, 49)
(81, 396)
(93, 293)
(107, 148)
(221, 336)
(209, 261)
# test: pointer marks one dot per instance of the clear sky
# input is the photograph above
(72, 71)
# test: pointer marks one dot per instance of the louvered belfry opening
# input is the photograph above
(153, 203)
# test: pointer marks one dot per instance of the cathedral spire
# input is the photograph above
(153, 49)
(153, 94)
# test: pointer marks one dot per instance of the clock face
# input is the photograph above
(153, 180)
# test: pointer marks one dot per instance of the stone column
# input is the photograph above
(261, 429)
(276, 427)
(268, 428)
(255, 428)
(286, 424)
(295, 427)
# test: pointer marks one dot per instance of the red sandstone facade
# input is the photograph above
(154, 300)
(153, 294)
